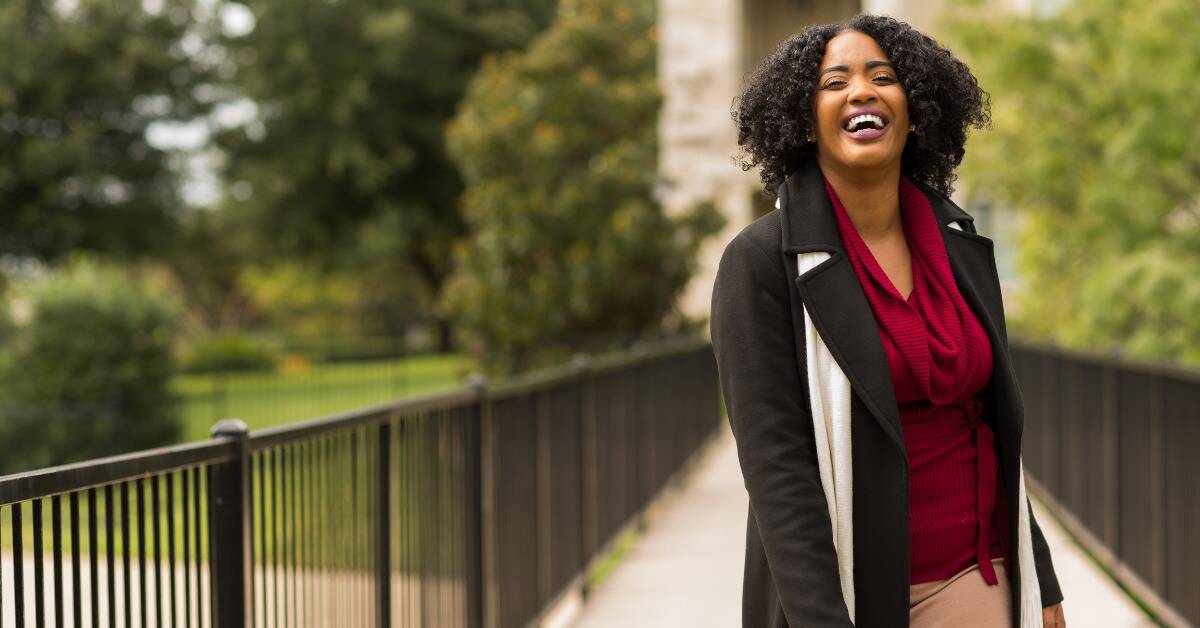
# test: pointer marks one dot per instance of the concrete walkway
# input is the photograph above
(686, 570)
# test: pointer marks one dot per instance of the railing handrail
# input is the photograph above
(27, 485)
(98, 472)
(1124, 362)
(371, 415)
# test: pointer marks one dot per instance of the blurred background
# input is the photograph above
(283, 209)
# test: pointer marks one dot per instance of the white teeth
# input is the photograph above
(869, 116)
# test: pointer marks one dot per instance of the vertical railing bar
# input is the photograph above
(170, 514)
(282, 486)
(440, 523)
(93, 557)
(370, 459)
(433, 513)
(254, 470)
(473, 504)
(395, 541)
(1158, 483)
(420, 507)
(261, 568)
(2, 568)
(351, 537)
(408, 515)
(297, 535)
(455, 512)
(337, 530)
(490, 592)
(285, 479)
(110, 554)
(39, 579)
(310, 508)
(383, 548)
(275, 536)
(156, 540)
(126, 554)
(185, 480)
(18, 562)
(294, 480)
(327, 588)
(300, 612)
(412, 520)
(439, 464)
(198, 538)
(542, 496)
(76, 577)
(403, 517)
(141, 548)
(56, 556)
(426, 530)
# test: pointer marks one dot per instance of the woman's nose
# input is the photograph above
(861, 91)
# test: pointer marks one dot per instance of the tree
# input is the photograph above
(1094, 142)
(347, 146)
(569, 250)
(79, 87)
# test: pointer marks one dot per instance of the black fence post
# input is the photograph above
(383, 529)
(229, 530)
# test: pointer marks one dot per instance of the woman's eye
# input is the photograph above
(884, 77)
(835, 83)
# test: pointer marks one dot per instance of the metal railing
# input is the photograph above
(1114, 446)
(477, 507)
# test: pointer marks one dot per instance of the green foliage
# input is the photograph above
(79, 87)
(348, 150)
(226, 352)
(570, 250)
(1094, 141)
(213, 249)
(89, 375)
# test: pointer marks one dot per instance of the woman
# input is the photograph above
(863, 356)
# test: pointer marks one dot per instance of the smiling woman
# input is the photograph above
(861, 346)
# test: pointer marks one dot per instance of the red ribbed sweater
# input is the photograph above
(940, 358)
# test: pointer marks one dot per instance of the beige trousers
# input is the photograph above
(964, 599)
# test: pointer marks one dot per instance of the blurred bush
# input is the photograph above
(227, 352)
(89, 374)
(1095, 144)
(570, 250)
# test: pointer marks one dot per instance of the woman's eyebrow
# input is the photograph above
(845, 68)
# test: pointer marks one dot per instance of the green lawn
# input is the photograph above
(268, 399)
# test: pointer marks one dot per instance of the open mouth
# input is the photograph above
(866, 126)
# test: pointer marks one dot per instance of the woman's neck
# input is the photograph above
(871, 199)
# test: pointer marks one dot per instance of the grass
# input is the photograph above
(269, 399)
(609, 561)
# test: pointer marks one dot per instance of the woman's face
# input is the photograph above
(856, 79)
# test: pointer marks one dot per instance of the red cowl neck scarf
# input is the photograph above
(940, 358)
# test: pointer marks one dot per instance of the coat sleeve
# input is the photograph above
(762, 385)
(1047, 579)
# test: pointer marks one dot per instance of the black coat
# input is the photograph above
(757, 328)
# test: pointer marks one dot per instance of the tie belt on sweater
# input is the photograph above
(985, 468)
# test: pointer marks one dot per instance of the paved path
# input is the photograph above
(686, 570)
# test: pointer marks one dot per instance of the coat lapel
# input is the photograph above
(841, 313)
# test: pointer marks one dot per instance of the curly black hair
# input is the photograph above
(775, 111)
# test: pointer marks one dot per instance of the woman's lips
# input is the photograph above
(867, 133)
